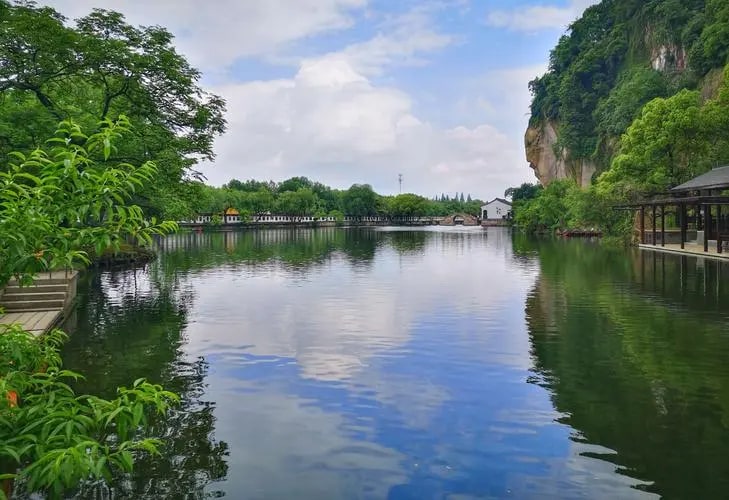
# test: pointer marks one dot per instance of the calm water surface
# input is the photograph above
(411, 364)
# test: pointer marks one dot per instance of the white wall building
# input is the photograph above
(497, 209)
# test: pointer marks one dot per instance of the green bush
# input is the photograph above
(55, 204)
(52, 439)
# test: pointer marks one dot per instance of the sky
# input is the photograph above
(359, 91)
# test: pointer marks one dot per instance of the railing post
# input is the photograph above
(682, 209)
(719, 243)
(707, 226)
(642, 224)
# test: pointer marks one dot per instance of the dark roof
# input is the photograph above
(506, 202)
(713, 179)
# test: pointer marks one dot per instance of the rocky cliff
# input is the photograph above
(549, 162)
(618, 56)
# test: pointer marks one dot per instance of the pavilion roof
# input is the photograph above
(717, 178)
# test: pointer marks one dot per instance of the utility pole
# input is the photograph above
(399, 179)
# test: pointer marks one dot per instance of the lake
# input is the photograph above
(417, 363)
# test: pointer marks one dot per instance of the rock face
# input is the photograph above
(669, 58)
(540, 143)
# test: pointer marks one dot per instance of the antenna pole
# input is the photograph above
(399, 180)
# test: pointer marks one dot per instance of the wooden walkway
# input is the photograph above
(691, 249)
(36, 323)
(41, 306)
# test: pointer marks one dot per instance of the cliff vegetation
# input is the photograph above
(636, 100)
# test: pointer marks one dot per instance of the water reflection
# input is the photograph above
(128, 325)
(633, 349)
(345, 363)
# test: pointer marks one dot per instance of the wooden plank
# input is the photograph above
(33, 321)
(23, 317)
(52, 318)
(44, 321)
(29, 324)
(39, 319)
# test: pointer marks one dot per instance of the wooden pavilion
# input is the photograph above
(698, 206)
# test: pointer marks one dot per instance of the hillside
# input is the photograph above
(619, 56)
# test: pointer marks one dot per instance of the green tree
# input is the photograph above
(102, 68)
(260, 202)
(548, 211)
(526, 191)
(250, 186)
(408, 205)
(359, 201)
(330, 199)
(712, 48)
(52, 440)
(633, 90)
(666, 145)
(294, 184)
(297, 203)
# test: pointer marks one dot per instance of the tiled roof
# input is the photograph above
(505, 202)
(713, 179)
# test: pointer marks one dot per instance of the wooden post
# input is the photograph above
(707, 226)
(654, 225)
(719, 245)
(642, 224)
(682, 208)
(697, 217)
(663, 225)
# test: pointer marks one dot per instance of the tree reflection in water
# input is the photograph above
(130, 324)
(634, 353)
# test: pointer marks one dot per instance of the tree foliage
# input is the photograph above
(526, 191)
(672, 141)
(599, 74)
(563, 205)
(300, 196)
(57, 204)
(51, 439)
(101, 68)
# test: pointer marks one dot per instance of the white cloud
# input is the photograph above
(406, 37)
(538, 17)
(331, 120)
(216, 34)
(501, 97)
(332, 123)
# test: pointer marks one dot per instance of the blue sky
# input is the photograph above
(357, 91)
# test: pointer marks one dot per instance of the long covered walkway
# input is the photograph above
(692, 218)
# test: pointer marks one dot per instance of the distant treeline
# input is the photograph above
(300, 196)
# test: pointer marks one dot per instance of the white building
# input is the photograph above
(497, 209)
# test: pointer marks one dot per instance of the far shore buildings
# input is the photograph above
(497, 210)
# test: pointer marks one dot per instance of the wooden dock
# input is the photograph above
(43, 305)
(37, 323)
